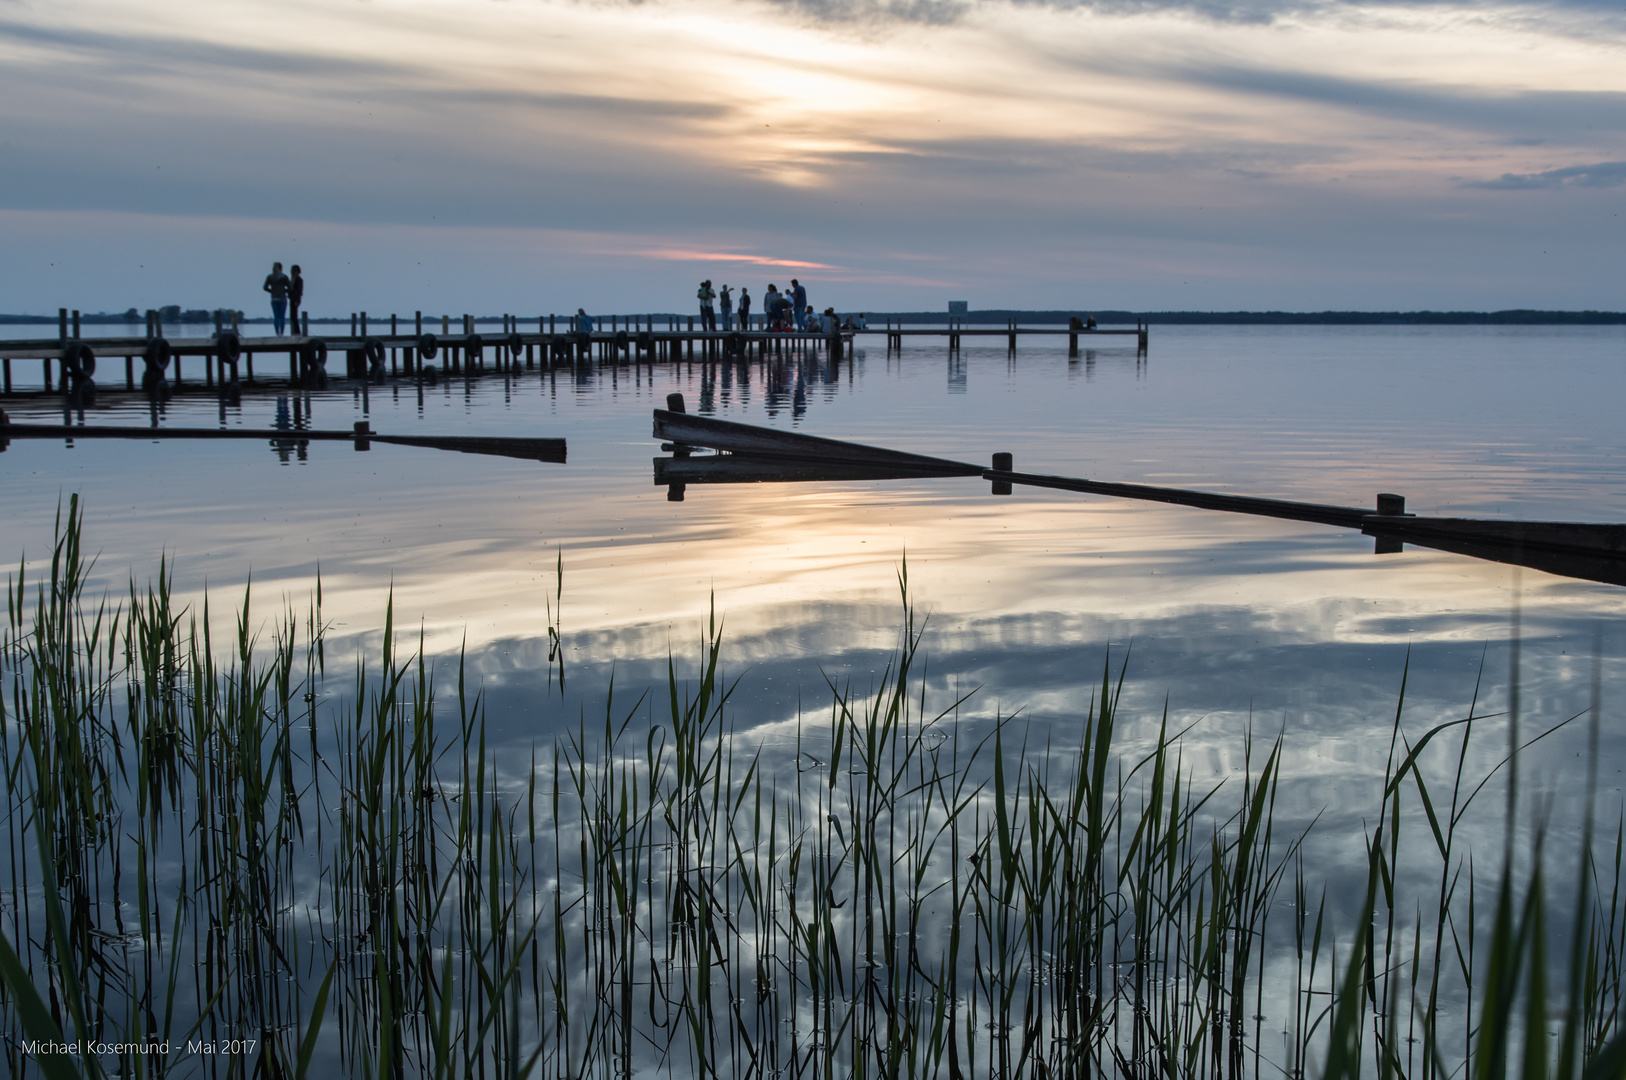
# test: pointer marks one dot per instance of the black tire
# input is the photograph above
(157, 357)
(734, 343)
(80, 361)
(229, 346)
(515, 345)
(474, 348)
(428, 346)
(622, 340)
(374, 350)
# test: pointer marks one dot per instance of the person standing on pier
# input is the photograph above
(726, 302)
(708, 316)
(745, 308)
(296, 296)
(798, 301)
(276, 283)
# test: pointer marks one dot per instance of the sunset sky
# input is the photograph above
(539, 155)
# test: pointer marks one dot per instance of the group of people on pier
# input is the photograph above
(782, 311)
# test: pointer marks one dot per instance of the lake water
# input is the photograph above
(1233, 624)
(1300, 627)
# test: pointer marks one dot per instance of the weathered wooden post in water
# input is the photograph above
(1003, 462)
(674, 491)
(1389, 505)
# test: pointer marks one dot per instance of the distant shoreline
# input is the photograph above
(999, 316)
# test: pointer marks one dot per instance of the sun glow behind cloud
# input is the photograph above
(999, 137)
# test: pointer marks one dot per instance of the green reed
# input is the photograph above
(210, 841)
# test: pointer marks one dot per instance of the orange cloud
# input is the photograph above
(678, 255)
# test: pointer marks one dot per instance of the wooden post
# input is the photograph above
(305, 318)
(1389, 505)
(129, 373)
(352, 324)
(363, 429)
(209, 370)
(445, 326)
(61, 325)
(47, 365)
(76, 323)
(1002, 463)
(363, 324)
(417, 324)
(8, 375)
(248, 360)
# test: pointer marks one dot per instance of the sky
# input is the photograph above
(533, 156)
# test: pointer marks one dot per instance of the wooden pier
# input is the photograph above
(419, 348)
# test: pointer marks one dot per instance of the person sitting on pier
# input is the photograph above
(745, 308)
(828, 321)
(276, 283)
(584, 322)
(1089, 322)
(708, 316)
(726, 302)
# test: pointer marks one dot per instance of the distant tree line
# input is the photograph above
(1516, 317)
(172, 314)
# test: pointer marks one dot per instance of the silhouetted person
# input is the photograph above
(708, 315)
(798, 303)
(296, 296)
(726, 302)
(745, 308)
(277, 283)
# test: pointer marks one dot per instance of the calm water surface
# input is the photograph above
(1234, 622)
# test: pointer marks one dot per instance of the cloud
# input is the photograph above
(672, 255)
(928, 12)
(1262, 12)
(1529, 116)
(162, 52)
(1603, 174)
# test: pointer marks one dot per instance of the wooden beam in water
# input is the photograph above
(726, 435)
(551, 450)
(753, 469)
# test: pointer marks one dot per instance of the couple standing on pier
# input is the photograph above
(286, 295)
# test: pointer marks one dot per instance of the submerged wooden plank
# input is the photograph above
(551, 450)
(1349, 517)
(1599, 540)
(751, 469)
(684, 429)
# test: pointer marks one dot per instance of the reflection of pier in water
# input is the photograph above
(749, 454)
